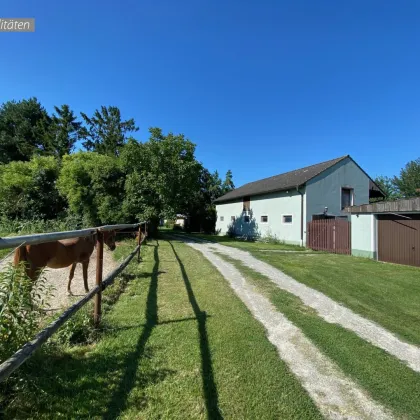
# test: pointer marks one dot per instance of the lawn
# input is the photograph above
(178, 343)
(388, 380)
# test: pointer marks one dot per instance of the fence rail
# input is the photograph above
(39, 238)
(23, 354)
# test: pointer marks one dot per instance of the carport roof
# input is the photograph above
(397, 206)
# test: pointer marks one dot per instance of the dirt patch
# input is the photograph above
(58, 278)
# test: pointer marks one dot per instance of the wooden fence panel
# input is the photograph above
(330, 235)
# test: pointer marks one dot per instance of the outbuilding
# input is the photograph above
(387, 231)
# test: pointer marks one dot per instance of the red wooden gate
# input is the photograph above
(330, 235)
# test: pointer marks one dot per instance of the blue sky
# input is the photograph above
(262, 87)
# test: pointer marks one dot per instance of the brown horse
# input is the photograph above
(60, 254)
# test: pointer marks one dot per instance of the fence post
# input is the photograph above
(99, 269)
(139, 243)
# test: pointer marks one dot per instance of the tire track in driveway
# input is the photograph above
(336, 396)
(329, 310)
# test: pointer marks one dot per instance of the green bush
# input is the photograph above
(22, 305)
(270, 238)
(28, 189)
(93, 186)
(170, 224)
(28, 226)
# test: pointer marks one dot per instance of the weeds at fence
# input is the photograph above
(22, 307)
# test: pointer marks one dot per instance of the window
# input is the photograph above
(247, 203)
(287, 219)
(264, 219)
(346, 197)
(246, 219)
(232, 218)
(222, 218)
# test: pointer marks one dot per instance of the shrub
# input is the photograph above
(21, 227)
(28, 189)
(231, 231)
(93, 186)
(79, 329)
(22, 304)
(270, 238)
(170, 224)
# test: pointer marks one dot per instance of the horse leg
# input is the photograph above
(71, 275)
(85, 265)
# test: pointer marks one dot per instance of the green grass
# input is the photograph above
(388, 294)
(245, 245)
(178, 343)
(387, 379)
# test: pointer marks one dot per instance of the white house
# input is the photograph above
(283, 204)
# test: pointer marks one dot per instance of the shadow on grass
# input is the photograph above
(134, 326)
(119, 399)
(79, 384)
(209, 385)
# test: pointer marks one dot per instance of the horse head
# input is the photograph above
(109, 239)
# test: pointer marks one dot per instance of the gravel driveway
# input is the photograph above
(336, 395)
(327, 308)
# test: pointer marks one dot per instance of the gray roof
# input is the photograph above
(280, 182)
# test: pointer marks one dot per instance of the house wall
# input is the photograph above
(364, 235)
(180, 222)
(227, 210)
(275, 206)
(325, 189)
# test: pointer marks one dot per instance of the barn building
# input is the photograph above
(283, 204)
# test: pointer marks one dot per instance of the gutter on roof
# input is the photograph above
(218, 200)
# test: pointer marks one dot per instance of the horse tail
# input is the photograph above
(20, 255)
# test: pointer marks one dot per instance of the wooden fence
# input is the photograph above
(10, 365)
(330, 235)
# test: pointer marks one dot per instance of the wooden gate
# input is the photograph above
(330, 235)
(399, 239)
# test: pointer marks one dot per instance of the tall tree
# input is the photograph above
(162, 176)
(65, 131)
(228, 184)
(388, 187)
(24, 130)
(408, 182)
(106, 132)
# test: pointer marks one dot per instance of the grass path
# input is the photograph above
(177, 344)
(336, 395)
